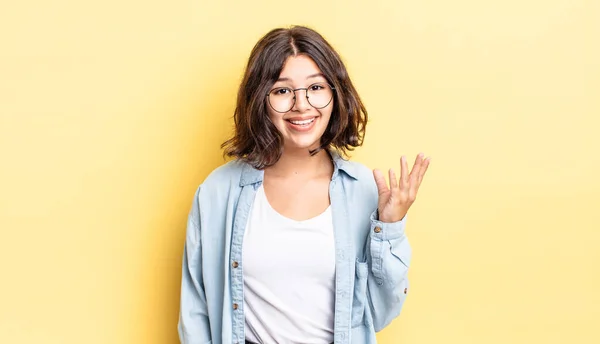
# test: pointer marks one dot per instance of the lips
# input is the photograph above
(302, 121)
(302, 124)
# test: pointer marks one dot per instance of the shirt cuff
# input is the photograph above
(385, 231)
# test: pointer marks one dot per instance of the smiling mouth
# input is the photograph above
(303, 122)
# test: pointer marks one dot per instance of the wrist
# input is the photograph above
(390, 219)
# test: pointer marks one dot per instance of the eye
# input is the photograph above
(317, 87)
(281, 91)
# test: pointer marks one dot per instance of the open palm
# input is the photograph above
(395, 200)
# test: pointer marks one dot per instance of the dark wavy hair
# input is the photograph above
(256, 140)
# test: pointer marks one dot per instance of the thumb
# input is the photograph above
(382, 186)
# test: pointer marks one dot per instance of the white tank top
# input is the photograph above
(289, 276)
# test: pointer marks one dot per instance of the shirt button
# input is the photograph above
(235, 306)
(235, 265)
(377, 229)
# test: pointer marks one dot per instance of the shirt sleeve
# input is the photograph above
(193, 326)
(389, 255)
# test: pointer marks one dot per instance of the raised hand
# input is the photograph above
(394, 201)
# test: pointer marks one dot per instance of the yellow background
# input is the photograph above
(112, 112)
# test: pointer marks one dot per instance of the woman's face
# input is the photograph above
(304, 124)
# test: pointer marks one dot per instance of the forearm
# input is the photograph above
(389, 255)
(193, 326)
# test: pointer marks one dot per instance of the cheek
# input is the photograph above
(272, 116)
(276, 120)
(327, 113)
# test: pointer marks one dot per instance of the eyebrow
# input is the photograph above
(308, 77)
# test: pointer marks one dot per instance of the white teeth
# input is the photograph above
(305, 122)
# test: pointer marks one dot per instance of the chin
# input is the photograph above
(297, 145)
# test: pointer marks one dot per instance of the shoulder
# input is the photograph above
(361, 171)
(228, 172)
(223, 178)
(361, 178)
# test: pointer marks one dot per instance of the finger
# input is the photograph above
(403, 173)
(424, 167)
(393, 180)
(380, 182)
(414, 174)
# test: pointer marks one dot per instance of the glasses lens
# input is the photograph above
(281, 99)
(319, 95)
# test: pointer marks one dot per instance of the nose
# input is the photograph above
(301, 104)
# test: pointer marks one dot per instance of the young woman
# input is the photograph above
(290, 242)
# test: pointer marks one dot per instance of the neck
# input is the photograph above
(299, 163)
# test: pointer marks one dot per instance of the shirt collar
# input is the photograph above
(251, 175)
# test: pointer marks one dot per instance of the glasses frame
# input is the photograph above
(305, 94)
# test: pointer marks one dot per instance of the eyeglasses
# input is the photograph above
(283, 99)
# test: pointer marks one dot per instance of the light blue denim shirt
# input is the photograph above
(371, 257)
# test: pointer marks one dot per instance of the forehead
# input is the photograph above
(299, 68)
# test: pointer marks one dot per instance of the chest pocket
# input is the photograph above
(359, 299)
